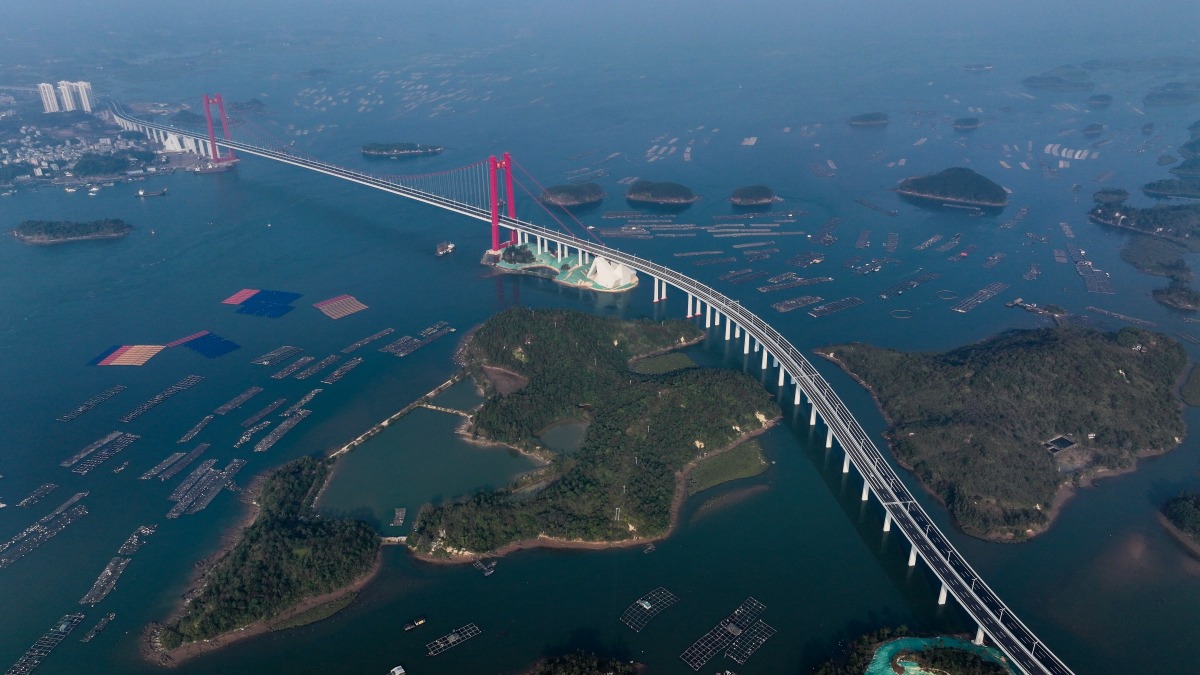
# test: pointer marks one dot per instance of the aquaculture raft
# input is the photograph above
(342, 305)
(637, 615)
(126, 355)
(723, 634)
(452, 639)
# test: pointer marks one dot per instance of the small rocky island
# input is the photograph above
(1182, 518)
(1167, 188)
(60, 231)
(394, 150)
(1000, 430)
(967, 123)
(667, 194)
(753, 195)
(566, 196)
(956, 186)
(549, 367)
(875, 119)
(1093, 130)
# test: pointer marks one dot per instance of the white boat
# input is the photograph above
(398, 670)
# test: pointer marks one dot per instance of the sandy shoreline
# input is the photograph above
(543, 541)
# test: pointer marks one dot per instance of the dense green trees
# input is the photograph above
(660, 193)
(1184, 512)
(92, 164)
(573, 194)
(52, 231)
(583, 663)
(955, 184)
(970, 422)
(288, 554)
(642, 428)
(953, 661)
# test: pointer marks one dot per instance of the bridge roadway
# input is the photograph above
(994, 618)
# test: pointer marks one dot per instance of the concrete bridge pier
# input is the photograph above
(796, 399)
(689, 306)
(727, 330)
(708, 316)
(737, 331)
(829, 444)
(845, 460)
(764, 360)
(866, 493)
(942, 594)
(912, 556)
(717, 318)
(812, 417)
(979, 635)
(746, 345)
(887, 521)
(558, 247)
(782, 374)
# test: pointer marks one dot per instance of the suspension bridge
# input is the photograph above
(475, 191)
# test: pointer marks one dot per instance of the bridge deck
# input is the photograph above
(997, 620)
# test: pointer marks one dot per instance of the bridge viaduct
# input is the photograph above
(994, 619)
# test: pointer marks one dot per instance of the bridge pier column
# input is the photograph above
(866, 493)
(764, 359)
(829, 444)
(737, 331)
(796, 400)
(979, 635)
(655, 281)
(845, 460)
(746, 344)
(727, 330)
(942, 595)
(558, 247)
(812, 418)
(782, 374)
(887, 521)
(717, 319)
(757, 346)
(689, 306)
(708, 316)
(662, 290)
(912, 556)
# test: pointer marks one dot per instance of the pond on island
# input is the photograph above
(564, 435)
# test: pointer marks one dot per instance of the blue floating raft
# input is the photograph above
(273, 297)
(270, 310)
(211, 345)
(103, 355)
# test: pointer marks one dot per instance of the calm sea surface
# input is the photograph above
(1105, 587)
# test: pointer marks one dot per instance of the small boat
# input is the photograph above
(444, 248)
(415, 623)
(398, 670)
(147, 193)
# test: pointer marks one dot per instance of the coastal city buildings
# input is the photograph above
(68, 96)
(49, 101)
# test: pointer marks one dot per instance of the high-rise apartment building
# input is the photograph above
(84, 90)
(49, 101)
(66, 93)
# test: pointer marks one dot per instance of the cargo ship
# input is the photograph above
(148, 193)
(415, 623)
(444, 248)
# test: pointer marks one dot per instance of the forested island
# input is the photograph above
(936, 656)
(1188, 188)
(289, 554)
(1179, 295)
(1182, 513)
(565, 196)
(1061, 79)
(1093, 130)
(644, 431)
(1189, 168)
(1173, 93)
(400, 150)
(666, 193)
(60, 231)
(1179, 222)
(875, 119)
(967, 123)
(753, 195)
(954, 186)
(583, 663)
(974, 424)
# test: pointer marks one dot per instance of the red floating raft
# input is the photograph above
(342, 305)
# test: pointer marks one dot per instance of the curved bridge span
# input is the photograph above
(994, 618)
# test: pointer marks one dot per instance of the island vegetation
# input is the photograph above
(972, 423)
(1191, 149)
(394, 150)
(957, 186)
(10, 172)
(1179, 295)
(1157, 256)
(1189, 168)
(643, 433)
(1111, 196)
(666, 193)
(874, 119)
(1093, 130)
(967, 123)
(59, 231)
(1187, 188)
(1173, 93)
(583, 663)
(1190, 391)
(288, 554)
(1178, 222)
(1167, 160)
(1183, 512)
(186, 118)
(753, 195)
(580, 194)
(950, 660)
(1061, 79)
(93, 164)
(744, 461)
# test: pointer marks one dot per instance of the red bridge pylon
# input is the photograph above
(215, 155)
(495, 165)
